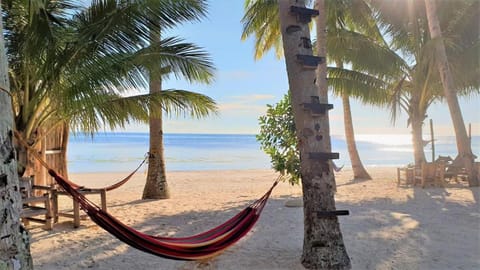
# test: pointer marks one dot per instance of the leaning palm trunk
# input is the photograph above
(14, 240)
(465, 154)
(323, 246)
(359, 171)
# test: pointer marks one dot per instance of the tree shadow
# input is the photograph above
(429, 230)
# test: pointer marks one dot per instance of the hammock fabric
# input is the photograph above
(197, 247)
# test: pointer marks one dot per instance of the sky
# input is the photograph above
(243, 87)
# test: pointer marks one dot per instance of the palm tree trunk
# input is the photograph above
(14, 239)
(156, 186)
(359, 171)
(323, 246)
(465, 154)
(417, 140)
(416, 116)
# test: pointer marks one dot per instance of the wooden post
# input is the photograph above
(103, 199)
(432, 138)
(76, 214)
(470, 133)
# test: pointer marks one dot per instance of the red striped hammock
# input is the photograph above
(196, 247)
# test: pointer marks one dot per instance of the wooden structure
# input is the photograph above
(405, 175)
(52, 147)
(35, 208)
(74, 213)
(430, 172)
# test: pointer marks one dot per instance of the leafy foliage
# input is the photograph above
(278, 139)
(81, 64)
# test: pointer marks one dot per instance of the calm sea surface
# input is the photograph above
(122, 152)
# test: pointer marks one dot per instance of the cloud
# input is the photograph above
(254, 97)
(245, 104)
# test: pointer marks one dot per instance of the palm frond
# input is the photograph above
(262, 22)
(113, 111)
(368, 89)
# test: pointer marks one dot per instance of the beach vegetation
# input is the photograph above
(465, 154)
(418, 83)
(278, 139)
(383, 55)
(84, 68)
(351, 30)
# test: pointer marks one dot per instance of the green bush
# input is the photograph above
(278, 139)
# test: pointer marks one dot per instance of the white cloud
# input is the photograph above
(245, 104)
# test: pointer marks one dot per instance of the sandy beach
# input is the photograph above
(389, 227)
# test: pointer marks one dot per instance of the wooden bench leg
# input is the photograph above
(76, 214)
(48, 215)
(103, 198)
(55, 206)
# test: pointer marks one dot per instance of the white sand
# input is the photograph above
(389, 227)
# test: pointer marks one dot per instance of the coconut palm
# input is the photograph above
(420, 85)
(15, 240)
(90, 59)
(345, 45)
(463, 143)
(313, 132)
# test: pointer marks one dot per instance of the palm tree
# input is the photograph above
(15, 247)
(463, 143)
(261, 20)
(313, 132)
(352, 32)
(419, 85)
(92, 59)
(156, 186)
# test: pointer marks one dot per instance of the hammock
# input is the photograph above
(115, 185)
(196, 247)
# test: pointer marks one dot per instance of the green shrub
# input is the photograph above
(278, 139)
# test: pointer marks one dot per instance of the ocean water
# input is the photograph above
(122, 152)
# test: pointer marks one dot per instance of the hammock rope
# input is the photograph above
(115, 185)
(197, 247)
(74, 185)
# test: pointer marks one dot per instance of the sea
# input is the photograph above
(122, 152)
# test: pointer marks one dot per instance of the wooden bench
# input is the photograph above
(34, 207)
(75, 212)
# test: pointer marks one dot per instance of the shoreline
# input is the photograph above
(345, 168)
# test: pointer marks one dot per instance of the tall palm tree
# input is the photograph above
(323, 246)
(156, 186)
(463, 143)
(351, 29)
(261, 20)
(419, 85)
(15, 247)
(94, 58)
